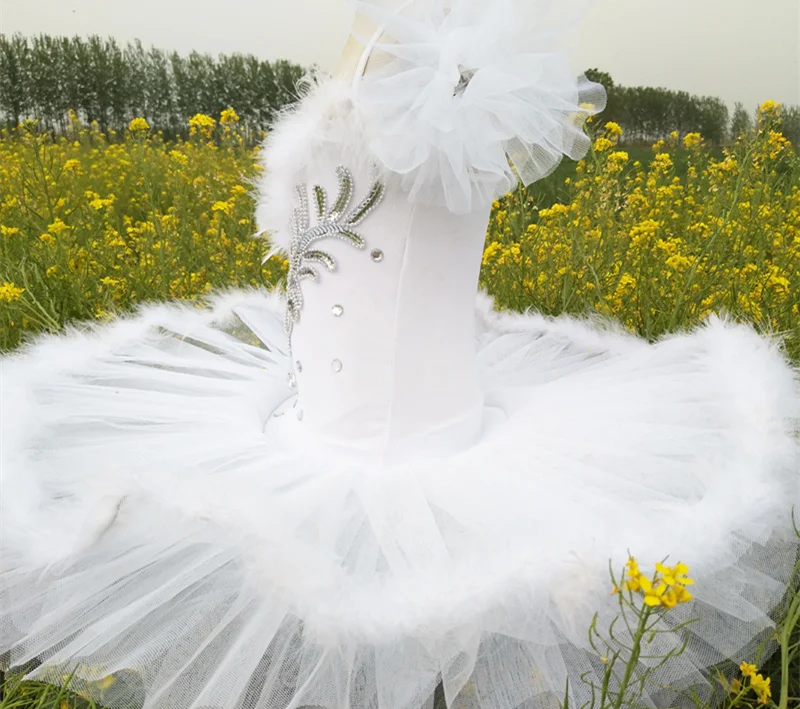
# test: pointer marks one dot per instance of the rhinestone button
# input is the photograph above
(337, 365)
(377, 255)
(337, 311)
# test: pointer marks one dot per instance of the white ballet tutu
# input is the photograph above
(156, 523)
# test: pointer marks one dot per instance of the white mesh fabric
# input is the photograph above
(241, 571)
(466, 98)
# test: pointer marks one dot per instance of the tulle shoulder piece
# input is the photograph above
(468, 98)
(475, 95)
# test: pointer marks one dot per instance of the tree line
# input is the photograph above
(45, 77)
(648, 114)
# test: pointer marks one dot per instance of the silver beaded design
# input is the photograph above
(464, 81)
(334, 221)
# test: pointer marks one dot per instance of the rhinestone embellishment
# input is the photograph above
(337, 311)
(299, 367)
(334, 221)
(292, 381)
(377, 255)
(464, 81)
(337, 365)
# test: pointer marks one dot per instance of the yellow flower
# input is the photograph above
(674, 596)
(675, 575)
(613, 128)
(678, 262)
(602, 144)
(72, 165)
(228, 116)
(761, 687)
(770, 108)
(692, 140)
(634, 574)
(57, 227)
(618, 156)
(10, 292)
(665, 588)
(653, 594)
(179, 157)
(201, 120)
(224, 207)
(8, 230)
(491, 251)
(747, 669)
(662, 161)
(138, 124)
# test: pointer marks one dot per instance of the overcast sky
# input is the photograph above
(740, 50)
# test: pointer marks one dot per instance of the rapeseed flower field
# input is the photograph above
(660, 246)
(92, 224)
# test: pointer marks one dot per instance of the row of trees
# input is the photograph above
(648, 114)
(44, 77)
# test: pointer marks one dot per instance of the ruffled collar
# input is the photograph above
(464, 108)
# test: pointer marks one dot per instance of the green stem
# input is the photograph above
(792, 618)
(636, 650)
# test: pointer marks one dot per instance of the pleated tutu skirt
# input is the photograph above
(156, 526)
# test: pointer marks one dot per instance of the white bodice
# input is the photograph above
(468, 98)
(384, 345)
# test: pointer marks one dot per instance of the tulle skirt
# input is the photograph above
(155, 527)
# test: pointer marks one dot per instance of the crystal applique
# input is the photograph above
(465, 78)
(334, 221)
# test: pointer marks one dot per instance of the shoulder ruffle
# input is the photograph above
(475, 96)
(466, 103)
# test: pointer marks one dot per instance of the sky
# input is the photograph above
(739, 50)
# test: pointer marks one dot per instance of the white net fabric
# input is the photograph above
(467, 98)
(241, 573)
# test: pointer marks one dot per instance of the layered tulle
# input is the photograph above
(469, 97)
(455, 106)
(154, 524)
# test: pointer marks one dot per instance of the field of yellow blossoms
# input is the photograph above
(661, 245)
(91, 225)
